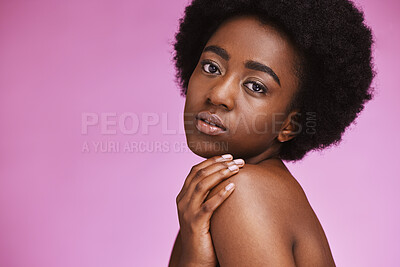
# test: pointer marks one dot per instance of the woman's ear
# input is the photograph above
(290, 127)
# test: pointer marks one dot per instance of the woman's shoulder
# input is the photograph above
(267, 191)
(269, 185)
(254, 223)
(272, 178)
(269, 205)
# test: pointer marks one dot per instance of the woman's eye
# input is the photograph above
(210, 68)
(256, 87)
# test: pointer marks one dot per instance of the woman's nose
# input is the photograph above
(223, 93)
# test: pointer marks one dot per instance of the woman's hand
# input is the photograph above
(194, 215)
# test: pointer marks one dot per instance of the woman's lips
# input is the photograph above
(209, 123)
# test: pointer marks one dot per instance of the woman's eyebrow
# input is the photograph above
(254, 65)
(250, 64)
(218, 50)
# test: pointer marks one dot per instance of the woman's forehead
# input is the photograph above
(245, 38)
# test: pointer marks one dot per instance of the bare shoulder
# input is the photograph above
(269, 187)
(270, 190)
(268, 219)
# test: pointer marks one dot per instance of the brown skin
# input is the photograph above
(267, 220)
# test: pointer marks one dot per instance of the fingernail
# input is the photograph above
(224, 158)
(227, 156)
(239, 161)
(229, 186)
(233, 168)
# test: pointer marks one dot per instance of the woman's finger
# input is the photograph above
(208, 207)
(202, 188)
(198, 167)
(203, 173)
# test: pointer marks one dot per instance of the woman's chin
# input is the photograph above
(208, 149)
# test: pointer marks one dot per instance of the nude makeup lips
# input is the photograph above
(209, 124)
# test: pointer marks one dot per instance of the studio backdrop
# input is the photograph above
(93, 151)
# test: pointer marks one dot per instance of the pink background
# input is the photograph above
(61, 206)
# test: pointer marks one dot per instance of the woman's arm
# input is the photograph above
(176, 251)
(176, 255)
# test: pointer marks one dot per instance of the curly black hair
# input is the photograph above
(336, 68)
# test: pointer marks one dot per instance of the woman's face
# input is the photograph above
(240, 90)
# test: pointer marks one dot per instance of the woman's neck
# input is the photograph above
(271, 153)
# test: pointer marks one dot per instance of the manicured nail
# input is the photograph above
(227, 156)
(224, 158)
(229, 186)
(239, 161)
(233, 168)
